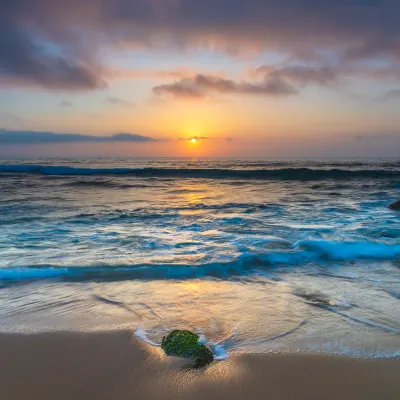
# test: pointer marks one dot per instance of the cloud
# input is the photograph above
(227, 139)
(299, 74)
(201, 86)
(119, 102)
(59, 45)
(378, 137)
(357, 97)
(323, 74)
(286, 79)
(66, 104)
(195, 137)
(32, 137)
(393, 94)
(24, 60)
(148, 73)
(10, 118)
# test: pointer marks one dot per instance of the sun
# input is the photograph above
(194, 140)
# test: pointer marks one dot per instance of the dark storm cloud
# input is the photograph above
(202, 85)
(32, 137)
(56, 44)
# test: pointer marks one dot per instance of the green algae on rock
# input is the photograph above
(185, 344)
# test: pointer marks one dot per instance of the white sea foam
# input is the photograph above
(142, 335)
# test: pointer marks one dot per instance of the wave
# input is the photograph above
(302, 253)
(261, 174)
(115, 273)
(30, 273)
(349, 251)
(103, 184)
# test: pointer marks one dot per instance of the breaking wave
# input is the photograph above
(301, 253)
(262, 174)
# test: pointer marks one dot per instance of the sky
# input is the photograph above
(254, 78)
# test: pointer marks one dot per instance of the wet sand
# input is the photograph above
(117, 366)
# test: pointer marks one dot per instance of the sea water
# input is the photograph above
(253, 255)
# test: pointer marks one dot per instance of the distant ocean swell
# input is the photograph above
(303, 252)
(280, 174)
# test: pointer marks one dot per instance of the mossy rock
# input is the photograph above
(395, 206)
(185, 344)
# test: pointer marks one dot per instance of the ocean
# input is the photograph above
(254, 255)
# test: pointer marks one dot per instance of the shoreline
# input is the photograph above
(117, 365)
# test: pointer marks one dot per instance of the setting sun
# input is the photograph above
(194, 140)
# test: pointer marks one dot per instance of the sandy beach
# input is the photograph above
(116, 365)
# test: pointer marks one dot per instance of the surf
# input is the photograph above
(307, 174)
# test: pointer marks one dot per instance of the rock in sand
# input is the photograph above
(185, 344)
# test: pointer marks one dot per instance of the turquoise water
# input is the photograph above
(255, 255)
